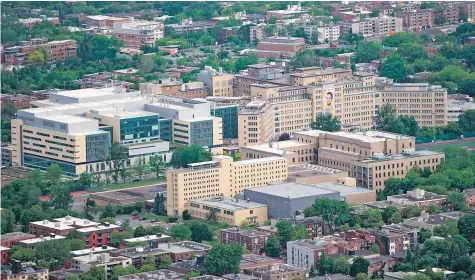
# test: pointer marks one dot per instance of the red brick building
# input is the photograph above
(184, 250)
(11, 239)
(279, 47)
(417, 20)
(315, 226)
(4, 258)
(46, 227)
(253, 240)
(99, 235)
(54, 51)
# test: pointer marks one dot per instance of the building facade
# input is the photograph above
(218, 83)
(253, 240)
(220, 177)
(139, 33)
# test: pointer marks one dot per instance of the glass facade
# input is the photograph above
(108, 128)
(229, 114)
(133, 129)
(97, 146)
(201, 133)
(166, 129)
(43, 164)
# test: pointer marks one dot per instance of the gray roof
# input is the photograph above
(290, 190)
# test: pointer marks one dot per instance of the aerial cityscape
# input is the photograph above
(237, 140)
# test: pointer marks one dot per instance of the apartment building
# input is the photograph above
(257, 120)
(104, 260)
(220, 177)
(257, 33)
(329, 33)
(447, 13)
(175, 88)
(12, 238)
(31, 243)
(31, 22)
(139, 254)
(138, 33)
(306, 253)
(260, 74)
(184, 250)
(356, 26)
(430, 222)
(426, 103)
(4, 258)
(386, 25)
(22, 273)
(102, 21)
(218, 82)
(393, 239)
(417, 19)
(99, 235)
(316, 76)
(54, 51)
(188, 25)
(315, 226)
(291, 11)
(279, 47)
(46, 227)
(253, 240)
(228, 209)
(282, 271)
(419, 198)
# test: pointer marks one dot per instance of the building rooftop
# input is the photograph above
(134, 252)
(310, 170)
(276, 269)
(240, 276)
(320, 243)
(2, 248)
(55, 225)
(34, 241)
(407, 154)
(342, 189)
(416, 196)
(228, 203)
(245, 232)
(291, 190)
(93, 250)
(254, 259)
(69, 220)
(256, 160)
(148, 238)
(100, 258)
(184, 246)
(99, 228)
(64, 273)
(15, 235)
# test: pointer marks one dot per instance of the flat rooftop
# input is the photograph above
(426, 196)
(228, 203)
(413, 154)
(291, 190)
(41, 239)
(154, 275)
(94, 250)
(98, 228)
(310, 170)
(276, 270)
(15, 235)
(245, 232)
(133, 252)
(54, 225)
(148, 238)
(98, 259)
(254, 259)
(86, 92)
(342, 189)
(184, 246)
(69, 220)
(256, 160)
(240, 276)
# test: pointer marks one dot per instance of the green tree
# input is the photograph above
(141, 167)
(61, 197)
(186, 215)
(140, 231)
(394, 67)
(372, 218)
(465, 225)
(158, 166)
(300, 232)
(362, 276)
(165, 262)
(52, 253)
(409, 125)
(95, 273)
(118, 155)
(272, 247)
(399, 38)
(412, 211)
(199, 231)
(243, 62)
(8, 110)
(312, 272)
(181, 232)
(418, 276)
(122, 271)
(37, 57)
(368, 51)
(159, 205)
(386, 119)
(74, 235)
(457, 200)
(184, 155)
(467, 120)
(326, 122)
(22, 254)
(284, 137)
(7, 221)
(86, 179)
(341, 265)
(376, 248)
(434, 209)
(223, 259)
(54, 174)
(109, 212)
(325, 264)
(333, 212)
(412, 51)
(448, 227)
(284, 230)
(305, 58)
(395, 218)
(359, 265)
(117, 237)
(388, 212)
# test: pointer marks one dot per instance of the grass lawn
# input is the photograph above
(151, 216)
(440, 147)
(129, 185)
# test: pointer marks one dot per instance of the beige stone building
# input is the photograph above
(369, 157)
(426, 103)
(220, 177)
(228, 209)
(256, 123)
(218, 82)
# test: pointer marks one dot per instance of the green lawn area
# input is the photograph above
(129, 185)
(442, 146)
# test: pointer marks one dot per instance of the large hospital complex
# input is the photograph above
(75, 129)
